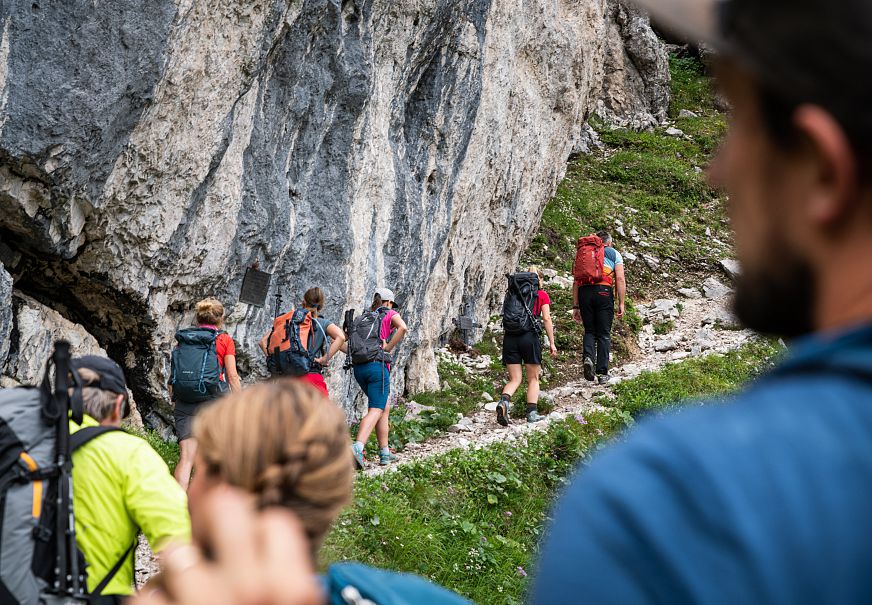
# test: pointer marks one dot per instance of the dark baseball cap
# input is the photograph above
(804, 51)
(111, 376)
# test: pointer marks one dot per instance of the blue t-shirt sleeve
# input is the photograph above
(619, 260)
(612, 258)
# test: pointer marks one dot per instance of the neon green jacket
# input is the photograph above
(121, 486)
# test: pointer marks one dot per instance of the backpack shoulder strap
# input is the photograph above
(83, 436)
(98, 590)
(320, 328)
(77, 440)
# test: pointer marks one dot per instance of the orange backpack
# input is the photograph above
(289, 347)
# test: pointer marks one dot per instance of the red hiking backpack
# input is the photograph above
(589, 267)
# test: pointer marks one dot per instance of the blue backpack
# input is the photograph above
(196, 373)
(358, 584)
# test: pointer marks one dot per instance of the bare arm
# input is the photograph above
(262, 344)
(232, 374)
(549, 328)
(621, 284)
(576, 314)
(338, 336)
(399, 326)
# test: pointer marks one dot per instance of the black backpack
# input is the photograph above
(37, 533)
(196, 373)
(519, 303)
(364, 338)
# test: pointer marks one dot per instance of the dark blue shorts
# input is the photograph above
(374, 379)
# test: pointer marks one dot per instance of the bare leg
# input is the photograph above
(533, 383)
(187, 451)
(514, 378)
(383, 426)
(368, 423)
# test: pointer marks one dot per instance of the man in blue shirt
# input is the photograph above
(766, 498)
(593, 304)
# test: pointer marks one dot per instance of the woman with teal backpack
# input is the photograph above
(207, 353)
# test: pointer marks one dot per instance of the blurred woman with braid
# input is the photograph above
(284, 448)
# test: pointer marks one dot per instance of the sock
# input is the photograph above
(385, 451)
(359, 445)
(506, 396)
(531, 407)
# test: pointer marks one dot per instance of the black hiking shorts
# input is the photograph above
(183, 414)
(526, 348)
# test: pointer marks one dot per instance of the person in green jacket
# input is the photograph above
(121, 486)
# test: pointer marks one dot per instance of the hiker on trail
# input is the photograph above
(598, 272)
(279, 448)
(302, 342)
(525, 303)
(121, 486)
(203, 369)
(66, 434)
(763, 497)
(372, 338)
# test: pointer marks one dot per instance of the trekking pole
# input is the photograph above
(278, 301)
(346, 327)
(67, 578)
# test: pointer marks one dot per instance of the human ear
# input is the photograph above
(118, 413)
(832, 162)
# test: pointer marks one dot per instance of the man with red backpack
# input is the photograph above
(598, 270)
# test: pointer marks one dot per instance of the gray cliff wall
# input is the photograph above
(150, 153)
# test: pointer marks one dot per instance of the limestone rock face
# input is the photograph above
(150, 153)
(5, 315)
(635, 91)
(36, 328)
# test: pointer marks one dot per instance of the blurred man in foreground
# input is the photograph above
(767, 499)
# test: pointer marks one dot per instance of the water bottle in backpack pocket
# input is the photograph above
(364, 338)
(519, 304)
(290, 347)
(196, 372)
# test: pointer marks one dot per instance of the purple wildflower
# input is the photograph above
(521, 572)
(508, 513)
(580, 419)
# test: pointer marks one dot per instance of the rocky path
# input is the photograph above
(699, 323)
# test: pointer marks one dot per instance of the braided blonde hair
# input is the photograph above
(285, 443)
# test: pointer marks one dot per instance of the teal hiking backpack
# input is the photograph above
(195, 373)
(358, 584)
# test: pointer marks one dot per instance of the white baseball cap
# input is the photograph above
(386, 294)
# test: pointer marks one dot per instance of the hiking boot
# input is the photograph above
(388, 458)
(534, 416)
(503, 412)
(589, 373)
(603, 378)
(358, 456)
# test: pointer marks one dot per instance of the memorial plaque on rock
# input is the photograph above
(255, 287)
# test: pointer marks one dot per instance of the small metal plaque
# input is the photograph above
(466, 323)
(255, 287)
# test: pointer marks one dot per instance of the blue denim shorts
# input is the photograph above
(374, 379)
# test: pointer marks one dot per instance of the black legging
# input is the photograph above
(597, 304)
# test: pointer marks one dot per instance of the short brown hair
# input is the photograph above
(210, 311)
(285, 443)
(97, 403)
